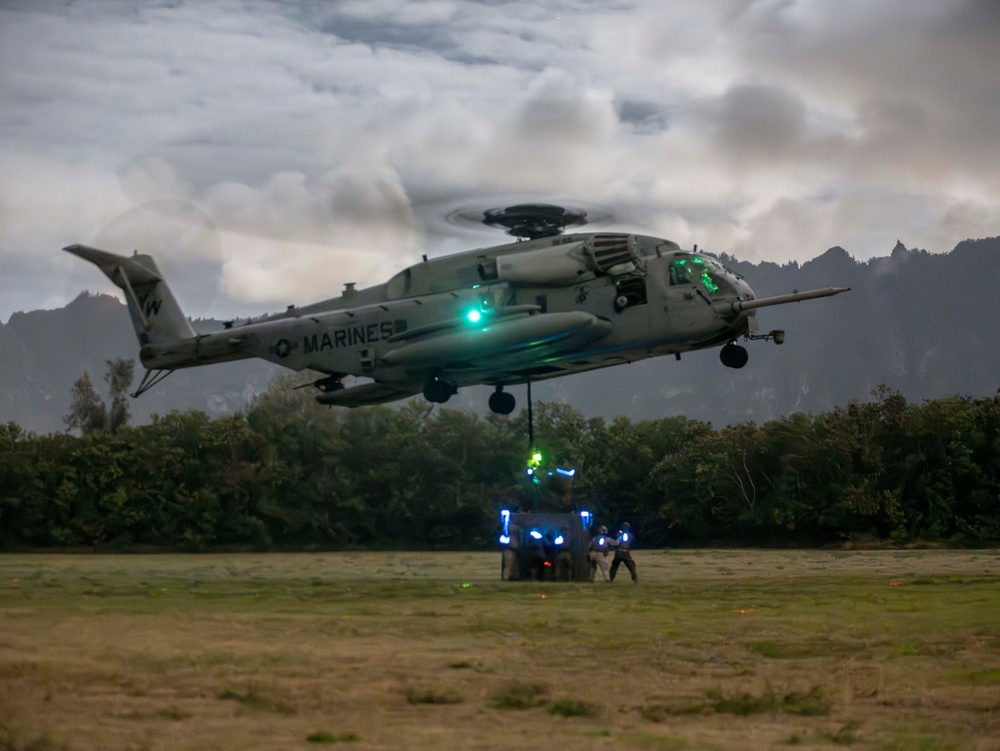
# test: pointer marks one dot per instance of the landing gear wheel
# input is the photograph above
(733, 356)
(438, 391)
(501, 402)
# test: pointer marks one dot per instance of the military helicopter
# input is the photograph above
(546, 305)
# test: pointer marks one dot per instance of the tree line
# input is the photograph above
(287, 474)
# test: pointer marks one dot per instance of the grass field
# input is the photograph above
(711, 650)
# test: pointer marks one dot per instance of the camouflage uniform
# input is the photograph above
(511, 551)
(623, 552)
(598, 554)
(564, 558)
(535, 546)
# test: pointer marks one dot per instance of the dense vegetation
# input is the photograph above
(289, 474)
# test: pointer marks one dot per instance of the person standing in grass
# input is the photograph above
(598, 554)
(564, 556)
(511, 570)
(623, 552)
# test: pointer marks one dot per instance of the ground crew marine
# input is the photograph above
(623, 552)
(564, 556)
(597, 553)
(511, 569)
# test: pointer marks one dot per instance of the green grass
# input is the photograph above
(713, 649)
(989, 677)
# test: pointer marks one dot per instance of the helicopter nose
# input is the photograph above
(744, 291)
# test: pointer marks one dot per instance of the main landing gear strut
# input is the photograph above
(439, 391)
(735, 356)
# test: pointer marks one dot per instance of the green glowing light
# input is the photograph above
(711, 286)
(474, 316)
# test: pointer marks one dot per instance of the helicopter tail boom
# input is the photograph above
(155, 314)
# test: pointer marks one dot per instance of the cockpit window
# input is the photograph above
(698, 270)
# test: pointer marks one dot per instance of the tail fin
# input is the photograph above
(155, 313)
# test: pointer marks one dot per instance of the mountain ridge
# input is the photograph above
(920, 323)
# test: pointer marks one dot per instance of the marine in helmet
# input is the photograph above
(598, 553)
(623, 552)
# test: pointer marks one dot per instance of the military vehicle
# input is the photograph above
(546, 546)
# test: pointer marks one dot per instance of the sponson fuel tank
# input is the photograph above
(555, 331)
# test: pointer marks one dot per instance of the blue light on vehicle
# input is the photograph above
(504, 539)
(505, 519)
(559, 540)
(566, 472)
(585, 517)
(535, 534)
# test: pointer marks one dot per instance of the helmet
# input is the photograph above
(602, 530)
(626, 525)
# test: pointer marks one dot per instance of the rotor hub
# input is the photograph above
(533, 220)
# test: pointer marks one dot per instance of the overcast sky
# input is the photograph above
(269, 152)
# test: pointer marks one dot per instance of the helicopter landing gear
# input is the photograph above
(501, 402)
(733, 356)
(439, 391)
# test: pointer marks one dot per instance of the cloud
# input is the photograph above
(315, 134)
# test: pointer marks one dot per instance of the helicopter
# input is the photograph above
(546, 305)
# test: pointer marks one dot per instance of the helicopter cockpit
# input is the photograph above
(690, 268)
(705, 272)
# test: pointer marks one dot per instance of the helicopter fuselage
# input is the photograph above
(499, 316)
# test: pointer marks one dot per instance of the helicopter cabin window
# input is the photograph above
(630, 290)
(399, 285)
(696, 270)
